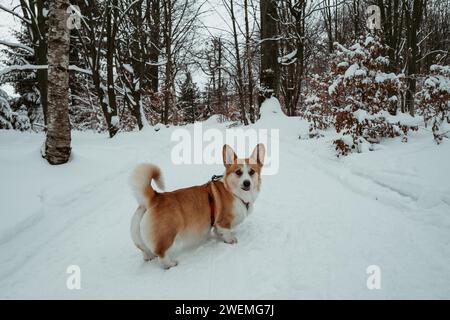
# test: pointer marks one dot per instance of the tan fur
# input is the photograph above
(187, 210)
(141, 179)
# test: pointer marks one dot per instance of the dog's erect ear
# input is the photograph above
(258, 154)
(229, 157)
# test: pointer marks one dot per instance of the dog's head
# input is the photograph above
(243, 176)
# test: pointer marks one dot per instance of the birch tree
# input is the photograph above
(57, 144)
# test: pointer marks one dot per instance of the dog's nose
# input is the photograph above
(246, 183)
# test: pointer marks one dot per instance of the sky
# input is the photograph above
(7, 21)
(216, 18)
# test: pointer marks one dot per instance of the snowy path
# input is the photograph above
(318, 224)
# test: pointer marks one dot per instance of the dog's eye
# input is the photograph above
(239, 172)
(251, 172)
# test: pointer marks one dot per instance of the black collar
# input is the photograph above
(216, 177)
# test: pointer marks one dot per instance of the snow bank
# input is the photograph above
(271, 108)
(29, 183)
(318, 223)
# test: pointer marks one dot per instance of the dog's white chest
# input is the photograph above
(241, 211)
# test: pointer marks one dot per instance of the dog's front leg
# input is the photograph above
(225, 234)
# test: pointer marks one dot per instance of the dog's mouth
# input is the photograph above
(245, 188)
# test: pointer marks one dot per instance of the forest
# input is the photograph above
(369, 69)
(343, 106)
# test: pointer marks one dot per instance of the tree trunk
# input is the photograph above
(155, 44)
(269, 50)
(219, 77)
(41, 58)
(111, 31)
(168, 82)
(413, 21)
(293, 69)
(389, 16)
(139, 65)
(94, 51)
(248, 52)
(328, 25)
(57, 144)
(240, 83)
(356, 17)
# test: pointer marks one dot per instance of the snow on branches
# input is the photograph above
(362, 98)
(434, 101)
(366, 95)
(9, 119)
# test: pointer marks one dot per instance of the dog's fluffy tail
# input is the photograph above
(141, 179)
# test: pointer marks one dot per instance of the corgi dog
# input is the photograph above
(219, 205)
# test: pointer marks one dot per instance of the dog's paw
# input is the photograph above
(148, 257)
(169, 264)
(230, 240)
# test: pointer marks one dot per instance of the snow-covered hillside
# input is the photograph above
(317, 225)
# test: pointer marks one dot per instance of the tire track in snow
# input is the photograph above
(60, 214)
(345, 176)
(26, 244)
(375, 190)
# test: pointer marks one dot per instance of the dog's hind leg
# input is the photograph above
(159, 240)
(164, 256)
(136, 233)
(162, 248)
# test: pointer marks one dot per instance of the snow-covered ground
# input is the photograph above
(318, 223)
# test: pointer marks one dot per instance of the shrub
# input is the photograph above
(365, 96)
(434, 101)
